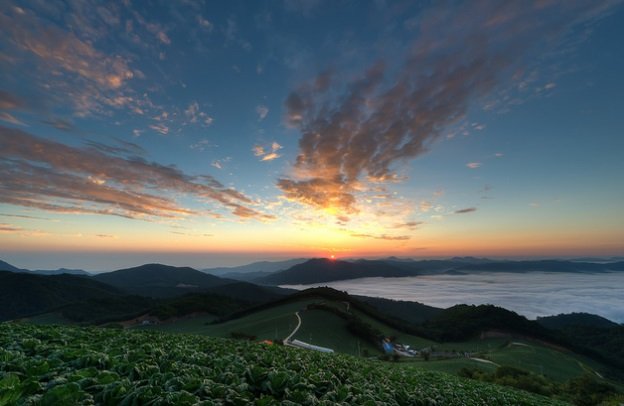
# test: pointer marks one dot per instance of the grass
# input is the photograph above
(326, 329)
(271, 324)
(555, 364)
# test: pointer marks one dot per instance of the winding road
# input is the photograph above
(287, 339)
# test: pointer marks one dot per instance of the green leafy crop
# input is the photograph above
(51, 365)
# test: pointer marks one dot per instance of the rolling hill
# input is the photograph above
(23, 294)
(574, 320)
(157, 280)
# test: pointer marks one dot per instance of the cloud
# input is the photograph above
(8, 228)
(64, 65)
(44, 174)
(123, 148)
(425, 206)
(205, 24)
(411, 225)
(473, 165)
(258, 150)
(262, 112)
(60, 124)
(4, 116)
(467, 210)
(106, 236)
(24, 216)
(267, 153)
(163, 37)
(359, 128)
(382, 237)
(9, 101)
(270, 156)
(201, 145)
(161, 128)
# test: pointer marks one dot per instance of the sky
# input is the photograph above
(219, 133)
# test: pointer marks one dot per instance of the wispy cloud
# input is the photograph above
(9, 118)
(9, 101)
(267, 153)
(8, 228)
(60, 124)
(83, 75)
(202, 145)
(262, 112)
(465, 211)
(382, 237)
(160, 128)
(44, 174)
(362, 130)
(473, 165)
(410, 225)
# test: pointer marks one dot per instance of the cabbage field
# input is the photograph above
(53, 365)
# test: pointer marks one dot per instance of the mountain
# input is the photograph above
(23, 294)
(250, 292)
(60, 271)
(542, 266)
(326, 270)
(158, 280)
(244, 276)
(575, 319)
(462, 322)
(411, 312)
(5, 266)
(254, 268)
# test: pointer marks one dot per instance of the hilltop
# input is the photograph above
(158, 280)
(327, 270)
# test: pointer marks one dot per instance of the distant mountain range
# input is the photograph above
(4, 266)
(254, 270)
(326, 270)
(123, 292)
(24, 292)
(316, 271)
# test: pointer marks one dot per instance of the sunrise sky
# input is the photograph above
(226, 132)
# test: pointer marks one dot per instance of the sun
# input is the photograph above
(332, 256)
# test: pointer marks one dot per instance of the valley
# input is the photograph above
(481, 342)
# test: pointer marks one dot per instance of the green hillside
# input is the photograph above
(326, 323)
(68, 365)
(23, 294)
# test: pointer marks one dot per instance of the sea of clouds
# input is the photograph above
(530, 294)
